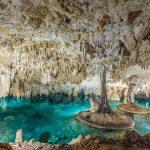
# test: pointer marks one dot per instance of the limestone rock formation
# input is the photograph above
(40, 42)
(114, 93)
(19, 136)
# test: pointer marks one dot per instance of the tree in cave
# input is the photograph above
(104, 105)
(100, 103)
(101, 115)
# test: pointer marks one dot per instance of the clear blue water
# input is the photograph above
(54, 123)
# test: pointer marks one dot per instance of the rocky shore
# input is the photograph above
(128, 141)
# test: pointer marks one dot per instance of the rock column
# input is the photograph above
(19, 137)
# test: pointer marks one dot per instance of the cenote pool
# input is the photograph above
(55, 123)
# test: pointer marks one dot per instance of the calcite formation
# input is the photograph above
(57, 45)
(19, 136)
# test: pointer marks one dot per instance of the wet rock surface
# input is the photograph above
(129, 140)
(4, 146)
(34, 146)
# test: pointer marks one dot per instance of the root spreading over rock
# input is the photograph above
(134, 109)
(112, 121)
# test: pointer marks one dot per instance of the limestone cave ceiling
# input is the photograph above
(60, 41)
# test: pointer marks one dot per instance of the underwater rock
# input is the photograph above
(9, 118)
(44, 137)
(53, 139)
(28, 136)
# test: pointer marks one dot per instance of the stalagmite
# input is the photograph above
(83, 50)
(94, 104)
(19, 137)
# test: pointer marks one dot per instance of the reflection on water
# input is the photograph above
(144, 103)
(55, 123)
(142, 124)
(147, 105)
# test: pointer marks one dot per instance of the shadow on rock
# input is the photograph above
(5, 146)
(44, 137)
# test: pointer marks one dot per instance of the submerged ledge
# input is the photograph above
(128, 140)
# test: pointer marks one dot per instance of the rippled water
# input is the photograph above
(54, 123)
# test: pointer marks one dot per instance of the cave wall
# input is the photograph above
(52, 45)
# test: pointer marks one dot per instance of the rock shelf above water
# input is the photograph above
(113, 121)
(133, 109)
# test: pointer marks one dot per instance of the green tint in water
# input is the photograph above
(53, 123)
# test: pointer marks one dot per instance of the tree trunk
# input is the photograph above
(103, 102)
(103, 93)
(130, 94)
(100, 104)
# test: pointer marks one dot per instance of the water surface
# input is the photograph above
(55, 123)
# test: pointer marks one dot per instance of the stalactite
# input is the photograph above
(83, 49)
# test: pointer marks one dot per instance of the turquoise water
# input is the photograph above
(54, 123)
